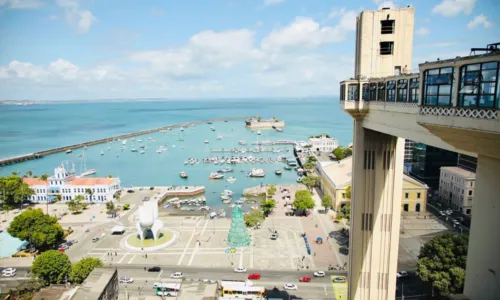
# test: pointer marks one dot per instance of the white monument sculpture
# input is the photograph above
(148, 214)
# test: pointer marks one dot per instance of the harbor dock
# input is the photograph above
(40, 154)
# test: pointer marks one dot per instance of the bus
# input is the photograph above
(168, 289)
(250, 292)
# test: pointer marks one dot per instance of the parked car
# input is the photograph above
(305, 279)
(455, 222)
(442, 213)
(177, 275)
(339, 279)
(254, 276)
(401, 274)
(240, 270)
(274, 236)
(290, 286)
(126, 279)
(9, 270)
(154, 269)
(152, 188)
(9, 273)
(319, 274)
(95, 240)
(130, 191)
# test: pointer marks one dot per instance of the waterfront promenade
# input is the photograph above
(40, 154)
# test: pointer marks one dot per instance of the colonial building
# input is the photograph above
(323, 144)
(68, 186)
(456, 188)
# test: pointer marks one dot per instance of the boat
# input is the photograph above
(142, 152)
(212, 128)
(117, 154)
(222, 213)
(102, 152)
(216, 175)
(139, 140)
(299, 179)
(183, 174)
(124, 142)
(133, 149)
(141, 146)
(240, 201)
(80, 155)
(219, 137)
(287, 168)
(226, 170)
(227, 193)
(257, 173)
(231, 179)
(258, 132)
(69, 151)
(242, 142)
(209, 122)
(277, 172)
(182, 128)
(206, 142)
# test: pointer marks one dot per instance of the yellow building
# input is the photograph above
(336, 177)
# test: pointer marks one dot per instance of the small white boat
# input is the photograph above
(142, 152)
(212, 128)
(139, 140)
(299, 179)
(216, 176)
(219, 137)
(69, 151)
(133, 150)
(242, 142)
(231, 180)
(206, 142)
(182, 128)
(258, 132)
(257, 173)
(102, 152)
(183, 174)
(124, 142)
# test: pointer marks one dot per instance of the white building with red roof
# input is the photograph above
(68, 185)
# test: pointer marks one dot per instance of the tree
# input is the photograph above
(76, 205)
(58, 198)
(117, 195)
(347, 152)
(90, 193)
(267, 206)
(271, 190)
(44, 177)
(126, 206)
(310, 181)
(34, 226)
(29, 173)
(326, 201)
(303, 200)
(309, 165)
(13, 190)
(312, 159)
(442, 262)
(51, 267)
(348, 192)
(345, 211)
(81, 270)
(110, 205)
(110, 176)
(339, 153)
(253, 217)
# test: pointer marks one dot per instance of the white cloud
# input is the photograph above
(335, 12)
(449, 8)
(82, 19)
(21, 4)
(478, 21)
(382, 4)
(307, 33)
(273, 2)
(422, 31)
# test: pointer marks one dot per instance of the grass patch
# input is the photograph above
(165, 236)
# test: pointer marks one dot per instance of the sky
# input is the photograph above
(206, 49)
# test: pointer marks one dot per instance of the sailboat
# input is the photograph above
(84, 168)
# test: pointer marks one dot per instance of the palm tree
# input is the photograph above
(90, 193)
(29, 173)
(44, 177)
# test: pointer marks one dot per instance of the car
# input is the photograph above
(95, 240)
(130, 191)
(305, 279)
(290, 286)
(338, 279)
(319, 274)
(126, 279)
(240, 270)
(401, 274)
(254, 276)
(61, 250)
(455, 222)
(141, 188)
(10, 273)
(442, 213)
(177, 275)
(274, 236)
(154, 269)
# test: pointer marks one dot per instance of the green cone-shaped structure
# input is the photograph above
(238, 233)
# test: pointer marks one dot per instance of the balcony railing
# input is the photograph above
(477, 113)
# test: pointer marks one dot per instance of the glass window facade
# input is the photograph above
(366, 91)
(342, 92)
(373, 91)
(353, 92)
(414, 88)
(391, 90)
(479, 85)
(381, 91)
(438, 87)
(402, 90)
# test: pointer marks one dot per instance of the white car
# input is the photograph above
(8, 273)
(9, 270)
(240, 270)
(319, 274)
(401, 274)
(290, 286)
(126, 279)
(177, 275)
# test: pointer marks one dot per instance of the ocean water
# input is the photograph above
(34, 128)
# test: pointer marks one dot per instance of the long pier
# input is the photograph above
(40, 154)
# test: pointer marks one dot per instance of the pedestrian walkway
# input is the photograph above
(322, 254)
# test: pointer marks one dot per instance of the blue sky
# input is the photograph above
(108, 49)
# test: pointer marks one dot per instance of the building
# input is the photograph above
(467, 162)
(336, 177)
(428, 160)
(383, 45)
(409, 145)
(101, 284)
(451, 104)
(456, 188)
(323, 143)
(68, 186)
(261, 123)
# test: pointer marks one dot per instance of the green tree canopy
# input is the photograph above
(442, 262)
(267, 206)
(34, 226)
(348, 192)
(51, 267)
(76, 205)
(44, 177)
(347, 152)
(310, 181)
(89, 192)
(339, 153)
(253, 217)
(81, 270)
(13, 190)
(326, 201)
(271, 190)
(345, 211)
(110, 205)
(303, 200)
(312, 159)
(309, 165)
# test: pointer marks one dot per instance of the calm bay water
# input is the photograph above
(34, 128)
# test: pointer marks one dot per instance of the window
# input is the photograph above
(342, 92)
(386, 48)
(403, 90)
(381, 91)
(353, 92)
(387, 26)
(438, 86)
(406, 195)
(418, 195)
(365, 92)
(343, 195)
(470, 193)
(373, 91)
(478, 85)
(391, 90)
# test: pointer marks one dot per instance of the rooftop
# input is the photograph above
(93, 181)
(460, 172)
(35, 181)
(198, 291)
(95, 284)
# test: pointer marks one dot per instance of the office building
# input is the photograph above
(456, 188)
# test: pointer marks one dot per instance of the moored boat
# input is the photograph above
(216, 176)
(277, 172)
(231, 180)
(257, 173)
(69, 151)
(183, 174)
